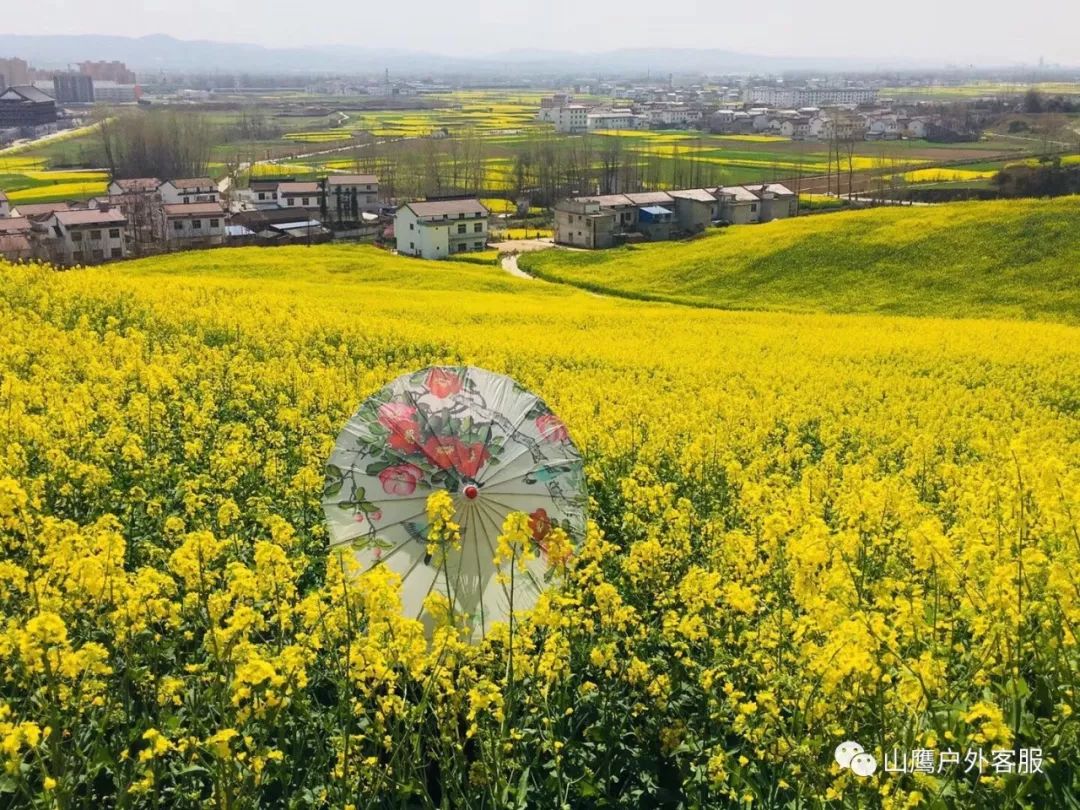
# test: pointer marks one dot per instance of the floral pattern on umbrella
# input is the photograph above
(495, 447)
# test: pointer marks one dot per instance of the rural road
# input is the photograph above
(510, 265)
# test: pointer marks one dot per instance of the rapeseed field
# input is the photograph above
(804, 529)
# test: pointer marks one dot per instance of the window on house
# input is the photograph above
(76, 236)
(117, 253)
(412, 246)
(178, 225)
(187, 200)
(306, 200)
(114, 233)
(95, 235)
(412, 227)
(461, 229)
(196, 224)
(753, 206)
(77, 256)
(477, 245)
(292, 201)
(478, 227)
(215, 223)
(262, 195)
(99, 255)
(461, 215)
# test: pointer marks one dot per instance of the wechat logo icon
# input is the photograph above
(851, 755)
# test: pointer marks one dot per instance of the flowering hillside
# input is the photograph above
(1005, 259)
(805, 529)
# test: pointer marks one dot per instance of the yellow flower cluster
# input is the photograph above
(803, 529)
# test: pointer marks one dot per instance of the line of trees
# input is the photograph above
(161, 143)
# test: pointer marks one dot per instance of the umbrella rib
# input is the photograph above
(526, 570)
(488, 540)
(491, 501)
(534, 468)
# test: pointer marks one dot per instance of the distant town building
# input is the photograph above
(27, 108)
(564, 114)
(73, 88)
(794, 97)
(615, 119)
(107, 72)
(440, 228)
(14, 72)
(111, 92)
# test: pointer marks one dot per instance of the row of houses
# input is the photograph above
(571, 117)
(606, 220)
(135, 215)
(813, 123)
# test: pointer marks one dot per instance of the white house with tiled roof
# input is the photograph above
(193, 225)
(189, 190)
(440, 228)
(5, 206)
(88, 236)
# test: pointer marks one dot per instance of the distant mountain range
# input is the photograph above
(160, 52)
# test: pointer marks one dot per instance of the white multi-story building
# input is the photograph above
(193, 225)
(87, 237)
(350, 195)
(615, 119)
(441, 228)
(811, 96)
(5, 206)
(189, 190)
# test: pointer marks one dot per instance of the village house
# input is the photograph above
(189, 190)
(263, 194)
(5, 206)
(583, 223)
(695, 209)
(307, 195)
(15, 239)
(193, 225)
(139, 200)
(86, 237)
(440, 228)
(349, 196)
(738, 205)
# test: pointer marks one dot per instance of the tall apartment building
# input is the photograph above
(73, 88)
(14, 72)
(108, 72)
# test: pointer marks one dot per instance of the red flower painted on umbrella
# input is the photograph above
(400, 479)
(539, 524)
(400, 420)
(396, 415)
(552, 428)
(470, 458)
(443, 382)
(443, 451)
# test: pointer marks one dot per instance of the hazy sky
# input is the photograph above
(956, 31)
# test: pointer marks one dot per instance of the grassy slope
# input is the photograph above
(1002, 259)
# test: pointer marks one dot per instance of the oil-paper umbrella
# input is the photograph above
(494, 447)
